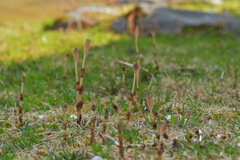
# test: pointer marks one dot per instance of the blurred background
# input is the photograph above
(19, 10)
(25, 23)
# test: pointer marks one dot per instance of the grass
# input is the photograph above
(204, 109)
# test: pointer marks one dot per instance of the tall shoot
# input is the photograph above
(65, 66)
(65, 109)
(136, 71)
(23, 79)
(80, 90)
(15, 109)
(123, 80)
(119, 127)
(112, 65)
(79, 84)
(154, 50)
(106, 116)
(150, 107)
(235, 79)
(75, 56)
(138, 55)
(163, 133)
(93, 119)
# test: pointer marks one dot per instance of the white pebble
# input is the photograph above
(168, 117)
(73, 116)
(51, 111)
(96, 158)
(41, 116)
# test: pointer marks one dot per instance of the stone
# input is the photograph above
(167, 20)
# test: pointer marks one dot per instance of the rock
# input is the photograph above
(82, 16)
(119, 25)
(166, 20)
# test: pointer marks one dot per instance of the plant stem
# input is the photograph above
(154, 50)
(23, 79)
(65, 66)
(123, 80)
(80, 101)
(136, 69)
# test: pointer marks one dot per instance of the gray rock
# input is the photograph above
(166, 20)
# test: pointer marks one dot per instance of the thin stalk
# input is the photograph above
(120, 136)
(154, 50)
(135, 69)
(80, 101)
(136, 39)
(92, 138)
(113, 52)
(123, 80)
(65, 66)
(230, 70)
(163, 133)
(163, 129)
(65, 109)
(75, 56)
(235, 78)
(23, 79)
(138, 54)
(150, 107)
(15, 109)
(130, 65)
(113, 59)
(106, 115)
(93, 119)
(159, 149)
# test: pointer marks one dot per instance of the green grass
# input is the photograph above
(187, 87)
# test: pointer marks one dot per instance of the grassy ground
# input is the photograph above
(188, 87)
(193, 89)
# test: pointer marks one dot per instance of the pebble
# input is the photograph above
(96, 158)
(168, 117)
(41, 116)
(73, 116)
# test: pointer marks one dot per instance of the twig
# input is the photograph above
(129, 64)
